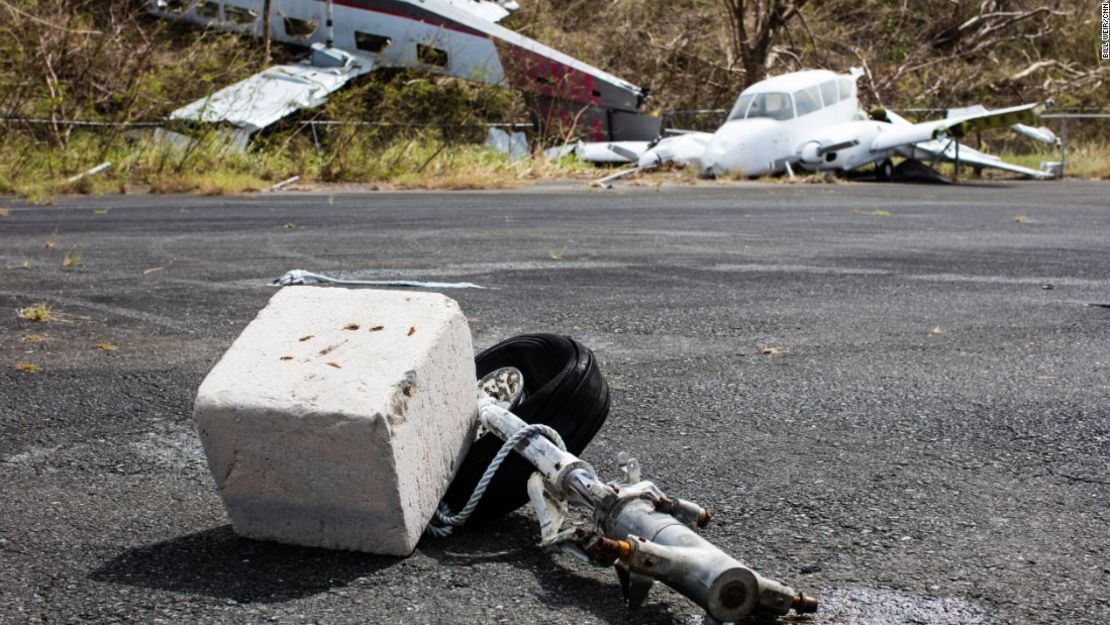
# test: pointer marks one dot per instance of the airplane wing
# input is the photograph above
(958, 126)
(261, 100)
(968, 156)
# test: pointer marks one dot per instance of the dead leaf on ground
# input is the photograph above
(880, 213)
(147, 272)
(4, 212)
(1019, 219)
(937, 330)
(555, 254)
(377, 328)
(351, 326)
(334, 364)
(287, 358)
(49, 244)
(305, 338)
(105, 346)
(289, 226)
(35, 338)
(25, 264)
(772, 351)
(412, 330)
(100, 212)
(327, 350)
(71, 259)
(27, 367)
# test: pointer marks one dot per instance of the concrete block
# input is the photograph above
(338, 417)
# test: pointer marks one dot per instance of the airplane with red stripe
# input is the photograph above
(458, 38)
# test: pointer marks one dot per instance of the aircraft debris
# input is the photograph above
(631, 524)
(92, 172)
(300, 276)
(811, 119)
(458, 38)
(285, 183)
(512, 144)
(267, 97)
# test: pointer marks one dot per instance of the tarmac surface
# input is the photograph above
(895, 397)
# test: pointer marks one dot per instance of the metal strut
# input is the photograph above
(635, 527)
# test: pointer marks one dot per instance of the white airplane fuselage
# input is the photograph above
(791, 119)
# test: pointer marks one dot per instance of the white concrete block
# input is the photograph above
(338, 417)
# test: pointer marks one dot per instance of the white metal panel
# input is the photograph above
(268, 96)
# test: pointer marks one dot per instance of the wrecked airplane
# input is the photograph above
(458, 38)
(811, 119)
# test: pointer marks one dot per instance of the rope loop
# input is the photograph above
(444, 521)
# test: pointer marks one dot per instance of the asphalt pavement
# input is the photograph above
(894, 397)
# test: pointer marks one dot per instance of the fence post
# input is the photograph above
(266, 6)
(1063, 146)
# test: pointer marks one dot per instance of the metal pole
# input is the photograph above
(1063, 145)
(956, 175)
(329, 23)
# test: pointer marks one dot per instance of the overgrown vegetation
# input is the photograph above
(105, 61)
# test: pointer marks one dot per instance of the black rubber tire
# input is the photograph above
(563, 388)
(884, 171)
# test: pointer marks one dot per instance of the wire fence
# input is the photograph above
(690, 119)
(159, 123)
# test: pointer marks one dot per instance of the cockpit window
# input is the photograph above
(847, 88)
(772, 105)
(807, 100)
(741, 107)
(828, 92)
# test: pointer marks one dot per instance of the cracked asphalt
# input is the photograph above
(895, 397)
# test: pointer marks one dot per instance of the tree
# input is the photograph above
(754, 26)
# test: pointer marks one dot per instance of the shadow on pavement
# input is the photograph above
(217, 563)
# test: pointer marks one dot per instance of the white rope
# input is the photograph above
(444, 521)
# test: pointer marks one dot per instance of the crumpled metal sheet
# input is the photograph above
(277, 92)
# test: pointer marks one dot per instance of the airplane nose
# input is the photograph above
(722, 155)
(738, 148)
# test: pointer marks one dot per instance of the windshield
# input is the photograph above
(741, 107)
(772, 105)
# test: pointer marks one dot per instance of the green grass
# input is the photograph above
(206, 166)
(1089, 160)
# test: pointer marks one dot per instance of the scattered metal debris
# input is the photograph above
(512, 144)
(300, 276)
(458, 38)
(267, 97)
(285, 183)
(92, 172)
(632, 524)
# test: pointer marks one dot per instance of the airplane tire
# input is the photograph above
(884, 171)
(563, 388)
